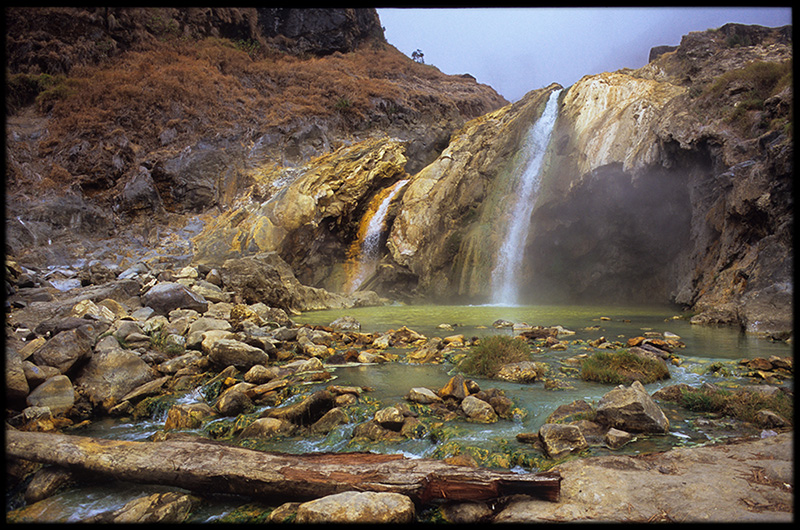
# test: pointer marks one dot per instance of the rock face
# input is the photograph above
(654, 187)
(668, 183)
(445, 232)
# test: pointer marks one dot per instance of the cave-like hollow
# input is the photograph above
(613, 238)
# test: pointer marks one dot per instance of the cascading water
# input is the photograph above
(364, 253)
(509, 257)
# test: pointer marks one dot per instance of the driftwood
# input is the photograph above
(205, 467)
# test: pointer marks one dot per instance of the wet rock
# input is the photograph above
(570, 412)
(430, 352)
(390, 418)
(166, 296)
(151, 388)
(57, 393)
(456, 387)
(478, 410)
(346, 323)
(616, 438)
(46, 482)
(423, 396)
(521, 372)
(188, 416)
(267, 428)
(169, 507)
(559, 440)
(234, 400)
(358, 507)
(631, 409)
(307, 411)
(330, 420)
(111, 375)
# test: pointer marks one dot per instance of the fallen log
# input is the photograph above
(205, 467)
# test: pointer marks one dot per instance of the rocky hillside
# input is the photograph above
(203, 135)
(121, 115)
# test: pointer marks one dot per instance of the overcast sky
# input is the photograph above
(516, 50)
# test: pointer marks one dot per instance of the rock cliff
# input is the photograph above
(211, 134)
(675, 180)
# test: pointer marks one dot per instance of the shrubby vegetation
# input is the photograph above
(621, 367)
(491, 353)
(759, 80)
(742, 404)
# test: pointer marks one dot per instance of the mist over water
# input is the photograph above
(509, 257)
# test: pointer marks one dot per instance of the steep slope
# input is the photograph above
(120, 117)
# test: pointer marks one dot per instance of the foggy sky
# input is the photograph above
(515, 50)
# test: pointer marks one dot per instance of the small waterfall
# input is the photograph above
(509, 257)
(363, 254)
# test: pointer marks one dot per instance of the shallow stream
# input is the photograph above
(391, 381)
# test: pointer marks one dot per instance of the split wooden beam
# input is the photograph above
(212, 467)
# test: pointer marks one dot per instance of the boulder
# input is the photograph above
(65, 349)
(390, 418)
(188, 416)
(358, 507)
(166, 296)
(570, 412)
(267, 428)
(57, 393)
(559, 439)
(422, 395)
(16, 383)
(331, 419)
(478, 410)
(166, 507)
(231, 352)
(456, 387)
(616, 438)
(307, 411)
(234, 400)
(631, 409)
(110, 375)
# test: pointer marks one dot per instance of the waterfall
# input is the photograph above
(509, 257)
(364, 253)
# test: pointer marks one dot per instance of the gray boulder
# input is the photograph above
(631, 409)
(166, 296)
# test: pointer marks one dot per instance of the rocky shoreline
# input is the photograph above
(120, 342)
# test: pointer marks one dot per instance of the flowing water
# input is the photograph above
(364, 253)
(389, 382)
(509, 256)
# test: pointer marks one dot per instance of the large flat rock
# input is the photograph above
(749, 481)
